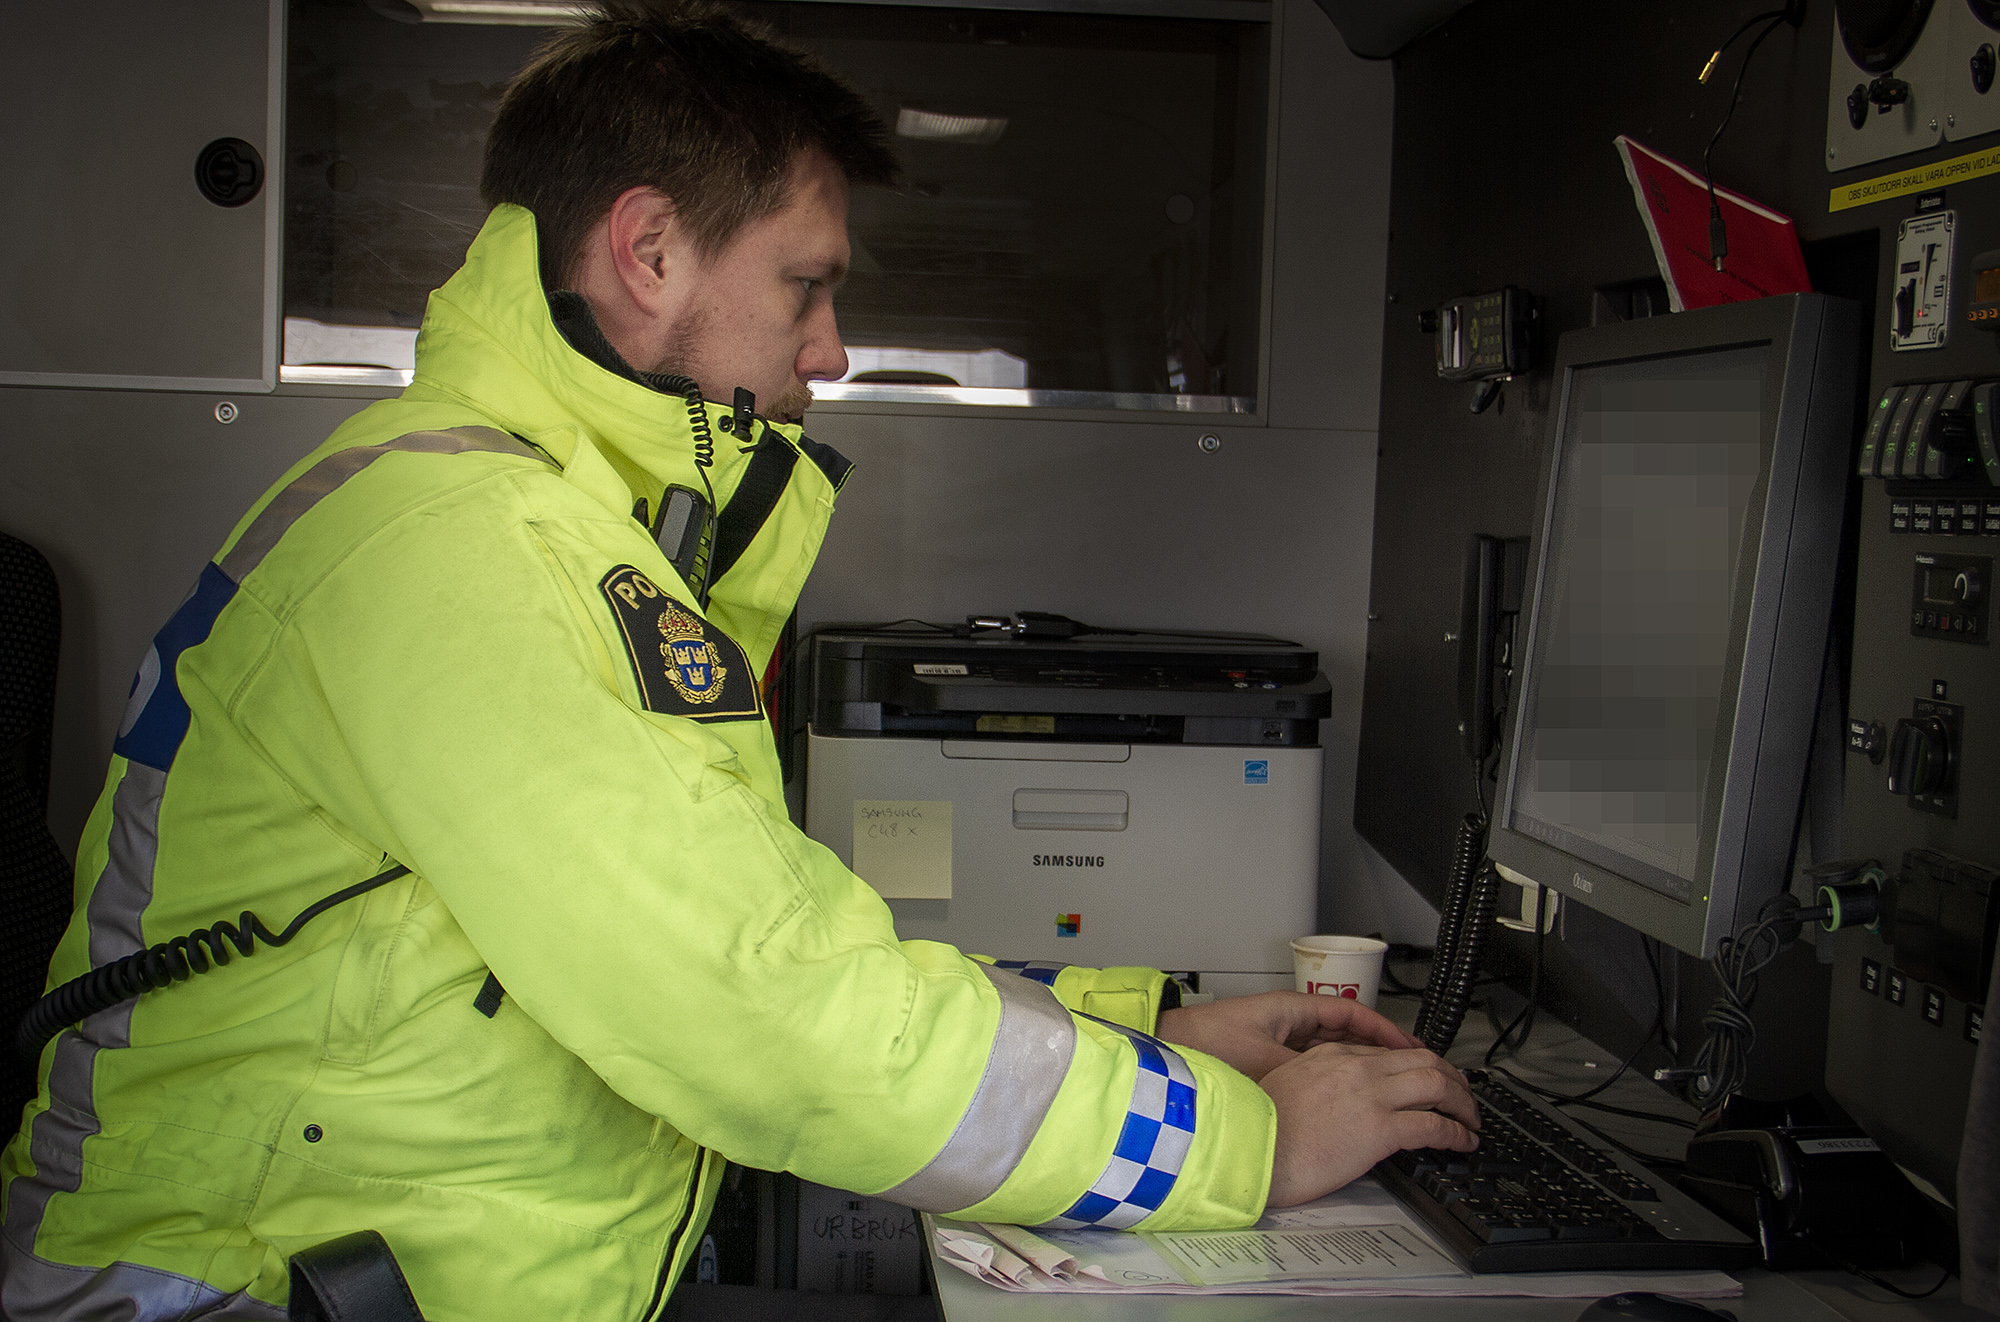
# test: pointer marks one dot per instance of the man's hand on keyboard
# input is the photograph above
(1343, 1107)
(1256, 1034)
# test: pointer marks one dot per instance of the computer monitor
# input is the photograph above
(1683, 572)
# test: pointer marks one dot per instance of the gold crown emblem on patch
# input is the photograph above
(692, 665)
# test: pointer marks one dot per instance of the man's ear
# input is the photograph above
(645, 246)
(633, 271)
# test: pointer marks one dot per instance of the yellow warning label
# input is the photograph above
(1016, 725)
(1916, 179)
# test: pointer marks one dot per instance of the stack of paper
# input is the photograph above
(1359, 1241)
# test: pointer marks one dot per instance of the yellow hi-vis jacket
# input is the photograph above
(443, 640)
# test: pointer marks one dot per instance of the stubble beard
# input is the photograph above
(789, 406)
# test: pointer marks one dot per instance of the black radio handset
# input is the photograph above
(1495, 570)
(1489, 601)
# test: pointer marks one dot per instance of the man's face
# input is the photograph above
(758, 314)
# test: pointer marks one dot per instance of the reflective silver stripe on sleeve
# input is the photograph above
(56, 1136)
(1031, 1053)
(327, 476)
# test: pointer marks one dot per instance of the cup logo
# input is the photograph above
(1351, 990)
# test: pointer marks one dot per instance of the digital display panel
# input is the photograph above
(1660, 467)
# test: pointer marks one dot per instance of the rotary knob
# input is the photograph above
(1966, 587)
(1920, 756)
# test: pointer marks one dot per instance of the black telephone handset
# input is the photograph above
(1489, 602)
(1495, 569)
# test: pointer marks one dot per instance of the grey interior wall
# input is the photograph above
(1113, 521)
(1131, 523)
(128, 493)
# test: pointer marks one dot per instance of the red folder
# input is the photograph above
(1763, 258)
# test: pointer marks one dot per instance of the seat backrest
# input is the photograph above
(34, 873)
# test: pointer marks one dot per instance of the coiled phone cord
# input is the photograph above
(168, 962)
(1451, 915)
(704, 459)
(1470, 896)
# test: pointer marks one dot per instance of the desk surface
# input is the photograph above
(1557, 1057)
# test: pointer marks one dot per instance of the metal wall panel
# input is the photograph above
(119, 272)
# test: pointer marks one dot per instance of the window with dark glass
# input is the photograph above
(1079, 221)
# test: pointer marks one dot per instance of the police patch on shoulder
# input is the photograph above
(685, 666)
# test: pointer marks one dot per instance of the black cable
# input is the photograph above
(704, 459)
(1722, 1064)
(1718, 237)
(1678, 1122)
(1669, 1041)
(1607, 1107)
(1747, 24)
(1525, 1021)
(1896, 1290)
(1650, 1159)
(1471, 891)
(166, 963)
(1659, 1022)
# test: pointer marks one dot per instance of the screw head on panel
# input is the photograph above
(225, 412)
(1209, 443)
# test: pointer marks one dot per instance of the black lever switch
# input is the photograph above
(1919, 755)
(1906, 308)
(1952, 453)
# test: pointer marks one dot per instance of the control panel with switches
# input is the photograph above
(1936, 431)
(1923, 768)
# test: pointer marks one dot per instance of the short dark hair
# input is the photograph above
(682, 96)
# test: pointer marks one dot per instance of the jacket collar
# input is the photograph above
(490, 344)
(490, 341)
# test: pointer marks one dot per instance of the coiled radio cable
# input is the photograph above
(164, 964)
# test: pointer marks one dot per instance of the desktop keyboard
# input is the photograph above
(1543, 1194)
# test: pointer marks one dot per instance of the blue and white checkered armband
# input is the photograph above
(1158, 1131)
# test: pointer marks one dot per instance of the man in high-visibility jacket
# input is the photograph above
(449, 641)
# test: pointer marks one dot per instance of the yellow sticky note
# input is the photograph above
(902, 847)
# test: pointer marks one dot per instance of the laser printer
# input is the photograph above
(1106, 799)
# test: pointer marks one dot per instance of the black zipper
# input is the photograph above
(674, 1240)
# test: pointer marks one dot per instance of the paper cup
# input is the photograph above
(1349, 966)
